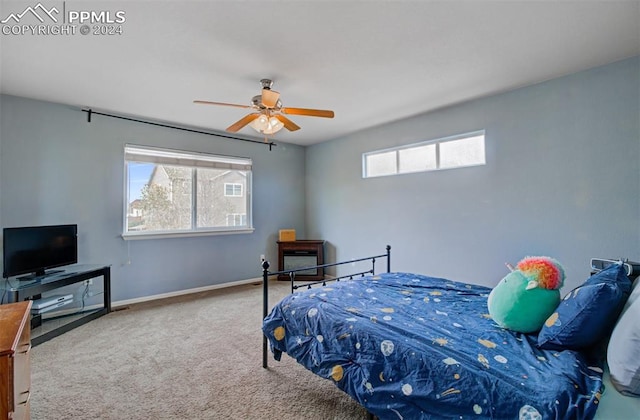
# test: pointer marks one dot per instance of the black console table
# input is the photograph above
(15, 290)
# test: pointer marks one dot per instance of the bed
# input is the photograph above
(409, 346)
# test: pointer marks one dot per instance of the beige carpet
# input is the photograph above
(192, 357)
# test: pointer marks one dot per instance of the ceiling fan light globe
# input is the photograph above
(275, 124)
(260, 124)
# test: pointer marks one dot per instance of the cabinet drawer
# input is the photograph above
(23, 408)
(23, 412)
(22, 364)
(21, 373)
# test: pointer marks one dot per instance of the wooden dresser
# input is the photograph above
(15, 370)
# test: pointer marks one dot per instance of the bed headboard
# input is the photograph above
(599, 264)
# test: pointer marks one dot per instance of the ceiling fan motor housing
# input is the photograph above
(256, 101)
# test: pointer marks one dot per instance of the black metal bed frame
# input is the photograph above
(633, 272)
(292, 276)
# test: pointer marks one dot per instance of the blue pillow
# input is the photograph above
(588, 313)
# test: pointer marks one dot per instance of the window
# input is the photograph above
(232, 190)
(178, 193)
(451, 152)
(236, 219)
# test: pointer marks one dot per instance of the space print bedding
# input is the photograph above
(407, 346)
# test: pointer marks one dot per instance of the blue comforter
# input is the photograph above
(407, 346)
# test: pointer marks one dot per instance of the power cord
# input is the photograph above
(85, 294)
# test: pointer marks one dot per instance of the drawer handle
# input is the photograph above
(25, 402)
(27, 350)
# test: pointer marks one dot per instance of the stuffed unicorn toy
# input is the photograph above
(525, 298)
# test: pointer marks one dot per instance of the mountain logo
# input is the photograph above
(39, 11)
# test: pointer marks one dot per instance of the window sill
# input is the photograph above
(164, 235)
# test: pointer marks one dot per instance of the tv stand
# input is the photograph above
(39, 275)
(32, 289)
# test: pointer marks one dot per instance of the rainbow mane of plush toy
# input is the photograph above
(545, 270)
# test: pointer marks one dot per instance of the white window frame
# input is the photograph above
(193, 160)
(436, 143)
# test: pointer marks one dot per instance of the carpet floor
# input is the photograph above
(196, 356)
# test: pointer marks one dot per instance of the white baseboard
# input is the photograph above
(127, 302)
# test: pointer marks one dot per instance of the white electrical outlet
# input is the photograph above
(88, 282)
(261, 257)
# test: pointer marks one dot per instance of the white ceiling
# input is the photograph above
(371, 62)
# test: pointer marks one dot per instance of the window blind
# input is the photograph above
(133, 153)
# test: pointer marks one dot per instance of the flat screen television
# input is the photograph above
(34, 249)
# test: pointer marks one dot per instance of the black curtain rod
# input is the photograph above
(90, 112)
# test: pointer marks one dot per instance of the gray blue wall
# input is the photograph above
(57, 168)
(562, 179)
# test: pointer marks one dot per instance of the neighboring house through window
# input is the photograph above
(177, 193)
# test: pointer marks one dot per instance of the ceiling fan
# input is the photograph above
(268, 116)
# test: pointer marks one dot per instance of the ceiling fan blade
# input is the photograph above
(270, 98)
(242, 122)
(309, 112)
(288, 124)
(221, 103)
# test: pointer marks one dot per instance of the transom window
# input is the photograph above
(450, 152)
(179, 193)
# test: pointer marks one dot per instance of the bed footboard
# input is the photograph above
(292, 274)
